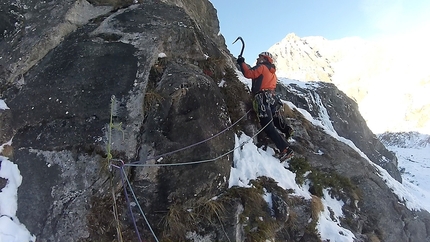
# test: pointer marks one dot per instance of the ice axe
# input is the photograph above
(243, 45)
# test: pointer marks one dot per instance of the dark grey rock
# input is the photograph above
(80, 78)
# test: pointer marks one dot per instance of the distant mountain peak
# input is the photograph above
(296, 59)
(388, 83)
(405, 139)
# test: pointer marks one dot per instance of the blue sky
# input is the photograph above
(263, 23)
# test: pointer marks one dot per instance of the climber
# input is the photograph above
(266, 104)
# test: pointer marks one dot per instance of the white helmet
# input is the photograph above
(268, 56)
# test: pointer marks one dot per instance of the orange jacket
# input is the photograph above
(263, 76)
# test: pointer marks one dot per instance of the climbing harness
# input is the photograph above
(262, 100)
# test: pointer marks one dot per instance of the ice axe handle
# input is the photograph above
(243, 45)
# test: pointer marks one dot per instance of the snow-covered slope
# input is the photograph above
(251, 162)
(413, 152)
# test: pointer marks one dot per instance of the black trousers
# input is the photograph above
(266, 105)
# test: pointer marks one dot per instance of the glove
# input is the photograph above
(240, 60)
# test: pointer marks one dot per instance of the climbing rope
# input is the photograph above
(199, 161)
(125, 180)
(138, 204)
(198, 143)
(128, 203)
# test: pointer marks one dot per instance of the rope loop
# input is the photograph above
(120, 164)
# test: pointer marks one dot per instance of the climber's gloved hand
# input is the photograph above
(240, 60)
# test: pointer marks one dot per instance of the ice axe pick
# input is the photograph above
(243, 45)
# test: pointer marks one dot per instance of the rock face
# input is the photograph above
(346, 121)
(61, 109)
(341, 159)
(106, 94)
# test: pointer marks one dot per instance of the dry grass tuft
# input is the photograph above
(213, 210)
(7, 151)
(176, 222)
(152, 98)
(288, 112)
(316, 207)
(373, 238)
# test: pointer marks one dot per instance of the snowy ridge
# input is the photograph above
(413, 197)
(251, 162)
